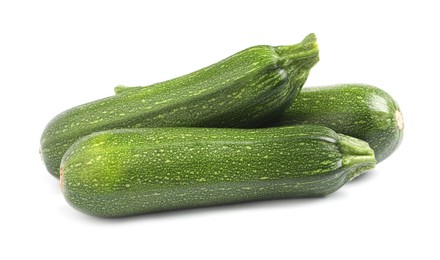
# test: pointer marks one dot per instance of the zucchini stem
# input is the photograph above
(289, 55)
(357, 155)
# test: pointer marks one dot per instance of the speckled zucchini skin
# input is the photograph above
(134, 171)
(358, 110)
(243, 90)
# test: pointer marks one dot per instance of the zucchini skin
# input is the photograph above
(127, 172)
(244, 90)
(359, 110)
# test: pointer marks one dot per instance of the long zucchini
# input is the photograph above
(244, 90)
(134, 171)
(358, 110)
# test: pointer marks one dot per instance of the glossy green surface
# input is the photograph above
(243, 90)
(358, 110)
(129, 172)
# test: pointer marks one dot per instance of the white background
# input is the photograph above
(58, 54)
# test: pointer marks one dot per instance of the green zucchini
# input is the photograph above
(358, 110)
(244, 90)
(135, 171)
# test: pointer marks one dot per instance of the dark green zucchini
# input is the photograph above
(134, 171)
(358, 110)
(244, 90)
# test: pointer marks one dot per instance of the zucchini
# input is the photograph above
(244, 90)
(135, 171)
(358, 110)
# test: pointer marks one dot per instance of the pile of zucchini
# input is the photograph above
(236, 131)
